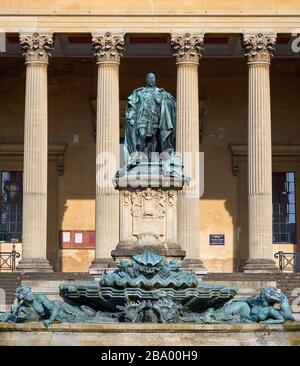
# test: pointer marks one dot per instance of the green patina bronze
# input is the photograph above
(32, 307)
(149, 289)
(150, 122)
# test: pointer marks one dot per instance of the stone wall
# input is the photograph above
(35, 334)
(153, 7)
(288, 283)
(47, 283)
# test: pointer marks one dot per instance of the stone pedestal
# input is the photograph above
(148, 216)
(143, 334)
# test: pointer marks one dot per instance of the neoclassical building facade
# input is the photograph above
(66, 69)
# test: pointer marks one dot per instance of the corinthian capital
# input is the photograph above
(187, 47)
(36, 46)
(259, 47)
(108, 47)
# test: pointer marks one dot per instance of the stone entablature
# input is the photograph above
(240, 152)
(168, 22)
(156, 7)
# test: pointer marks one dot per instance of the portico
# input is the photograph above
(87, 220)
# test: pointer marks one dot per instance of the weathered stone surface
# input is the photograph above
(35, 334)
(148, 220)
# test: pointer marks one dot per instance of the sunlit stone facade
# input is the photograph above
(66, 69)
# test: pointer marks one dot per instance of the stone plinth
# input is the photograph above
(35, 334)
(148, 216)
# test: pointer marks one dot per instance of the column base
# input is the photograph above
(194, 265)
(260, 266)
(34, 265)
(101, 265)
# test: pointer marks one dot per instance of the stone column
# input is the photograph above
(36, 51)
(108, 49)
(258, 50)
(188, 50)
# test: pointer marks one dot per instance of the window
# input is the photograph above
(11, 200)
(284, 208)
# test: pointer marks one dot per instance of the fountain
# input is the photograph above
(149, 289)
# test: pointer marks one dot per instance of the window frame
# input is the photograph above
(295, 205)
(8, 234)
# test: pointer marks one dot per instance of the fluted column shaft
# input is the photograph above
(35, 163)
(188, 49)
(108, 49)
(187, 144)
(259, 154)
(260, 163)
(107, 197)
(34, 252)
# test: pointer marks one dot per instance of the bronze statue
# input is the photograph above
(150, 121)
(149, 289)
(31, 307)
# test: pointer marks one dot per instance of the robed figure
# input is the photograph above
(150, 121)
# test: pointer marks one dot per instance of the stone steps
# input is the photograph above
(10, 281)
(8, 284)
(288, 283)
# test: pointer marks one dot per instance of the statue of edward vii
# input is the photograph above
(150, 121)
